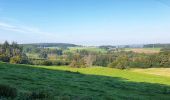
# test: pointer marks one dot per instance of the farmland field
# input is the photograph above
(144, 50)
(92, 49)
(95, 83)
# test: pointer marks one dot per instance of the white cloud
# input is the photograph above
(5, 25)
(23, 29)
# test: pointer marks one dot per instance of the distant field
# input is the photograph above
(155, 71)
(96, 83)
(144, 50)
(33, 55)
(93, 49)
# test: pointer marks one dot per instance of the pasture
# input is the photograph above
(94, 83)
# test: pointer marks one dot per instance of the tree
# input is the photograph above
(11, 52)
(89, 59)
(43, 54)
(78, 62)
(6, 45)
(59, 52)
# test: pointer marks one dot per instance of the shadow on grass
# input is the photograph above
(66, 85)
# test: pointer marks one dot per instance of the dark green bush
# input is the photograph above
(36, 61)
(47, 63)
(60, 62)
(7, 91)
(4, 58)
(120, 63)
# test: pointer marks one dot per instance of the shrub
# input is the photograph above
(120, 63)
(78, 64)
(15, 60)
(47, 63)
(35, 61)
(60, 62)
(4, 58)
(7, 91)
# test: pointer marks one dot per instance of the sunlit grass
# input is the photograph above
(95, 83)
(154, 71)
(104, 71)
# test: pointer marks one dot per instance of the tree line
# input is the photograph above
(115, 58)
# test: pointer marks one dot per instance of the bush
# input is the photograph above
(36, 61)
(120, 63)
(78, 64)
(24, 59)
(47, 63)
(7, 91)
(60, 62)
(4, 58)
(15, 60)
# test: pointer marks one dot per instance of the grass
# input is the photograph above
(110, 72)
(97, 83)
(155, 71)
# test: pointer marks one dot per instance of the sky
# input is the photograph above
(85, 22)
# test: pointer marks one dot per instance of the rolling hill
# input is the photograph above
(95, 83)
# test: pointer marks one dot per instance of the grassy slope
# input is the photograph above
(104, 71)
(91, 83)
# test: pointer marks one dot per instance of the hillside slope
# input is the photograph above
(83, 84)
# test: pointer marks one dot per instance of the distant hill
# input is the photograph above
(158, 45)
(45, 45)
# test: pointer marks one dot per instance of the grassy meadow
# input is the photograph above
(94, 83)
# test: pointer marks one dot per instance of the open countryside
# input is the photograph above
(84, 50)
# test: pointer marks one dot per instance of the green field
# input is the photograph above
(95, 83)
(91, 49)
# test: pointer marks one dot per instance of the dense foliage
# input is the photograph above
(12, 53)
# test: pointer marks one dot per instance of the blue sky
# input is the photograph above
(86, 22)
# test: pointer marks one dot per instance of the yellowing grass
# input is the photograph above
(144, 50)
(155, 71)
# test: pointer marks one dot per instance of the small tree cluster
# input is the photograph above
(120, 63)
(11, 53)
(78, 62)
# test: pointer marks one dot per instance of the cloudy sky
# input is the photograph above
(86, 22)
